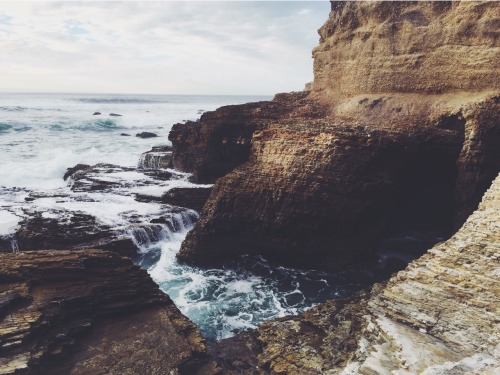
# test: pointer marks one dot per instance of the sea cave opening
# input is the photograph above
(425, 207)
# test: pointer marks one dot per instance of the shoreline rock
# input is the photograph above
(146, 135)
(159, 157)
(74, 312)
(435, 317)
(193, 198)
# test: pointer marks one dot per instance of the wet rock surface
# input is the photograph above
(81, 312)
(159, 157)
(193, 198)
(74, 219)
(438, 316)
(70, 231)
(146, 135)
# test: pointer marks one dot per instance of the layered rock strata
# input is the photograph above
(91, 311)
(438, 316)
(386, 140)
(432, 47)
(220, 140)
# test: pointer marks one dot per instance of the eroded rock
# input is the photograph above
(159, 157)
(438, 316)
(220, 140)
(80, 312)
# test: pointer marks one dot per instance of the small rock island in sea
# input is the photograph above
(399, 129)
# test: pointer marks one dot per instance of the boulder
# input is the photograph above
(146, 135)
(77, 168)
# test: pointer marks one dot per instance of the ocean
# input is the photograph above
(41, 135)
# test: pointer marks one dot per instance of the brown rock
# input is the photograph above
(90, 311)
(438, 316)
(427, 47)
(220, 140)
(392, 134)
(78, 231)
(159, 157)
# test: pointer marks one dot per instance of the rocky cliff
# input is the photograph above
(431, 47)
(400, 130)
(439, 316)
(90, 312)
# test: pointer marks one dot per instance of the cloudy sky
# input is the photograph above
(174, 47)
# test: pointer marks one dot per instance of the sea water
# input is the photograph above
(41, 135)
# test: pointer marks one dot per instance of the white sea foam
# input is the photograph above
(8, 222)
(43, 134)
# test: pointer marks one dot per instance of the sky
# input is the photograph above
(169, 47)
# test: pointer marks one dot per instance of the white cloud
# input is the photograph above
(158, 47)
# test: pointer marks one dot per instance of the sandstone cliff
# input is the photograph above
(431, 47)
(400, 130)
(90, 312)
(439, 316)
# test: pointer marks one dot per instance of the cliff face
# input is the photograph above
(401, 128)
(439, 316)
(89, 311)
(374, 47)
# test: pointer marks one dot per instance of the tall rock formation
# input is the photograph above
(400, 129)
(439, 316)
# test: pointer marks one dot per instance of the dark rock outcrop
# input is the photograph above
(91, 311)
(390, 140)
(77, 168)
(76, 231)
(436, 317)
(146, 135)
(193, 198)
(99, 177)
